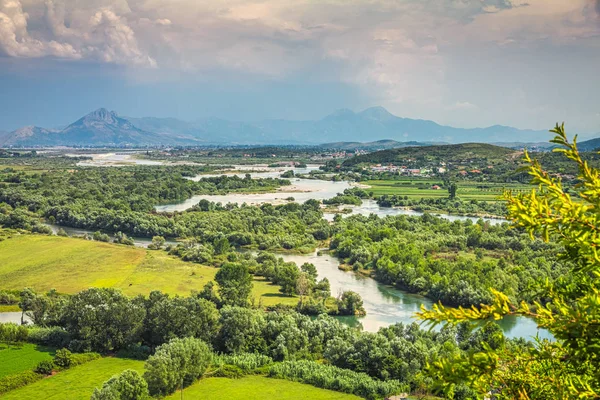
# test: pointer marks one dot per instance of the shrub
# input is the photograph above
(245, 361)
(179, 362)
(334, 378)
(44, 367)
(128, 385)
(8, 298)
(53, 337)
(63, 358)
(15, 381)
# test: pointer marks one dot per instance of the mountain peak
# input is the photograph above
(102, 114)
(378, 113)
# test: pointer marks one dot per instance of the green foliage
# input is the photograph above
(44, 367)
(247, 362)
(103, 320)
(63, 358)
(350, 303)
(235, 284)
(52, 336)
(176, 364)
(242, 330)
(567, 368)
(11, 382)
(334, 378)
(168, 318)
(128, 385)
(13, 334)
(435, 257)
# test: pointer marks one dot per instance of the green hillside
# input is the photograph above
(447, 153)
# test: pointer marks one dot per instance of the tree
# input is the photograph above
(168, 318)
(242, 330)
(157, 243)
(568, 367)
(235, 284)
(209, 293)
(221, 245)
(128, 385)
(322, 289)
(286, 276)
(303, 285)
(310, 270)
(103, 319)
(452, 190)
(176, 364)
(350, 303)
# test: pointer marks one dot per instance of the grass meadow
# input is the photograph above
(256, 388)
(70, 265)
(76, 383)
(15, 359)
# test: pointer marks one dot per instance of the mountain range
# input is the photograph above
(105, 128)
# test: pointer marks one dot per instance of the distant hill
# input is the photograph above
(98, 128)
(377, 145)
(105, 128)
(452, 152)
(589, 145)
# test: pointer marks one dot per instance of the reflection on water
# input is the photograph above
(386, 305)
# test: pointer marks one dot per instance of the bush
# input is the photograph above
(53, 337)
(8, 298)
(63, 358)
(334, 378)
(82, 358)
(245, 361)
(128, 385)
(15, 381)
(179, 362)
(44, 367)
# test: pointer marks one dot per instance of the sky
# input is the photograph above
(465, 63)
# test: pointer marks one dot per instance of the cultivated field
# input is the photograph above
(417, 188)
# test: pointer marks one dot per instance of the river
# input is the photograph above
(385, 305)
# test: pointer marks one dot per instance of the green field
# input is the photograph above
(22, 358)
(70, 265)
(77, 383)
(418, 188)
(256, 388)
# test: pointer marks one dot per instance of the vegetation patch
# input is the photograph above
(15, 359)
(77, 383)
(257, 388)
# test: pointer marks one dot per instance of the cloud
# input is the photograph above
(15, 40)
(102, 35)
